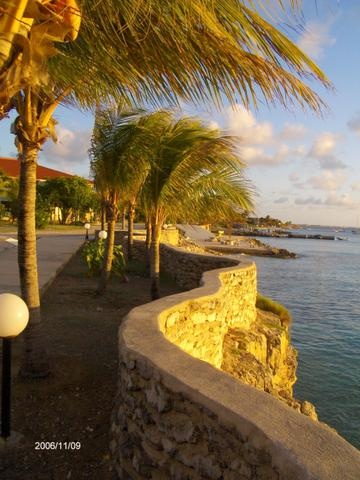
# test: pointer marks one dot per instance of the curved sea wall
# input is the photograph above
(177, 416)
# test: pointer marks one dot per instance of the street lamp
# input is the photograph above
(14, 316)
(87, 228)
(103, 234)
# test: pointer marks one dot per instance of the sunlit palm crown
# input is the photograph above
(115, 154)
(177, 165)
(190, 166)
(196, 49)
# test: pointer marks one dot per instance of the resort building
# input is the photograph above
(11, 168)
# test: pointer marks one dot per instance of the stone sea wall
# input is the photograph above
(169, 235)
(199, 326)
(177, 416)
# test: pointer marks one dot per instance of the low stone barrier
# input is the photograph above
(178, 417)
(169, 235)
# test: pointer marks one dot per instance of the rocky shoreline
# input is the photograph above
(235, 246)
(261, 252)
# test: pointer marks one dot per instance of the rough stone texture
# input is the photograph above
(187, 268)
(199, 326)
(178, 417)
(262, 356)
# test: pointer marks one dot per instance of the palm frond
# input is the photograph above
(199, 50)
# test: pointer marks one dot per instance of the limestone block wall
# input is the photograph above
(178, 417)
(198, 326)
(187, 268)
(184, 267)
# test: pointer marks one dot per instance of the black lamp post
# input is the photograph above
(14, 316)
(87, 228)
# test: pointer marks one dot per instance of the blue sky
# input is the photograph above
(305, 168)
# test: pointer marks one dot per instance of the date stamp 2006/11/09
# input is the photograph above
(57, 445)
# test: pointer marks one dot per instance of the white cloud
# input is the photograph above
(293, 131)
(328, 181)
(316, 38)
(324, 145)
(70, 150)
(258, 143)
(324, 150)
(308, 201)
(294, 177)
(354, 124)
(281, 200)
(241, 122)
(332, 200)
(356, 187)
(254, 155)
(340, 201)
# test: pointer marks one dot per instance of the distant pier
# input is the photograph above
(286, 234)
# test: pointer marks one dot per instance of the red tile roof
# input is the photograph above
(10, 166)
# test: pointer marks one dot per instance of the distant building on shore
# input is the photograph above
(11, 168)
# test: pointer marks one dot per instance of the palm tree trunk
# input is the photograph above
(148, 236)
(131, 214)
(103, 217)
(148, 245)
(35, 361)
(155, 261)
(109, 250)
(123, 220)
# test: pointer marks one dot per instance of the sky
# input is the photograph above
(305, 167)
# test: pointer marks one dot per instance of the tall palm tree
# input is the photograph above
(116, 167)
(138, 50)
(191, 166)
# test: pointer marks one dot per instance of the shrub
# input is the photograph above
(118, 264)
(93, 254)
(42, 212)
(42, 216)
(2, 211)
(269, 305)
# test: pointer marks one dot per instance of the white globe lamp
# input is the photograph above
(14, 316)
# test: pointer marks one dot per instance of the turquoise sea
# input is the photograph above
(321, 288)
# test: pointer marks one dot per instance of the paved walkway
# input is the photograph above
(195, 232)
(53, 251)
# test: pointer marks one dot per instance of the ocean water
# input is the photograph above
(321, 288)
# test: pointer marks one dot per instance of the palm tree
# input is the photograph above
(116, 167)
(139, 51)
(28, 32)
(191, 167)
